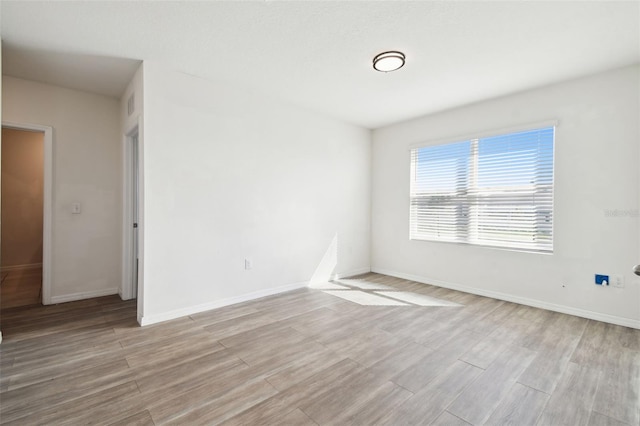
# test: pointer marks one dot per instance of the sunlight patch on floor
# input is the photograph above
(363, 298)
(328, 286)
(365, 285)
(369, 293)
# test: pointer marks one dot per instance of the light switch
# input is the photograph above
(75, 208)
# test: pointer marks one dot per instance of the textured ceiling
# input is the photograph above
(318, 54)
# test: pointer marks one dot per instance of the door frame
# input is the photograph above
(127, 288)
(47, 213)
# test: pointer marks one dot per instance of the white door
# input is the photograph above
(134, 213)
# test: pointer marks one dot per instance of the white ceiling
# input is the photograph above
(318, 54)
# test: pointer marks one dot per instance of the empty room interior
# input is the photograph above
(310, 213)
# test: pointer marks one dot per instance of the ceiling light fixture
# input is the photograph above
(388, 61)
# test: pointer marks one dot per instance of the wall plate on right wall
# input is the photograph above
(617, 281)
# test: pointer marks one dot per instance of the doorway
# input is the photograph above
(22, 217)
(25, 237)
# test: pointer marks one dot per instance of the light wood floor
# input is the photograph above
(20, 287)
(309, 357)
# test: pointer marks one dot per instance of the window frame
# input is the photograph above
(471, 232)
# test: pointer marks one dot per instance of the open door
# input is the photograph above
(134, 213)
(131, 245)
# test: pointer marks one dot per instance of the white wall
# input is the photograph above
(231, 175)
(86, 248)
(596, 169)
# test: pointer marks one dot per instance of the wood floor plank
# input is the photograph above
(284, 358)
(598, 419)
(522, 406)
(43, 395)
(488, 323)
(142, 418)
(425, 406)
(231, 327)
(478, 401)
(416, 377)
(552, 358)
(331, 331)
(163, 351)
(628, 338)
(220, 407)
(443, 333)
(310, 389)
(544, 336)
(367, 347)
(72, 412)
(169, 329)
(592, 351)
(618, 394)
(572, 400)
(222, 314)
(305, 366)
(343, 402)
(485, 352)
(298, 306)
(62, 366)
(384, 399)
(167, 400)
(272, 334)
(170, 372)
(399, 359)
(319, 320)
(294, 418)
(67, 354)
(448, 419)
(34, 331)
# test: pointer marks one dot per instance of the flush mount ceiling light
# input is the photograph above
(388, 61)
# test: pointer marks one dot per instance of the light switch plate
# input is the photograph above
(75, 208)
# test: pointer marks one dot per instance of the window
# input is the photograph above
(492, 191)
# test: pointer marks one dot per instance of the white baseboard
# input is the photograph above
(178, 313)
(351, 273)
(627, 322)
(83, 295)
(21, 267)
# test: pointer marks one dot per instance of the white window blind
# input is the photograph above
(493, 191)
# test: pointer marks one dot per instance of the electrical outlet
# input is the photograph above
(247, 264)
(617, 281)
(602, 279)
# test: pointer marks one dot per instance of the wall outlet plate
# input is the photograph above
(602, 279)
(617, 281)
